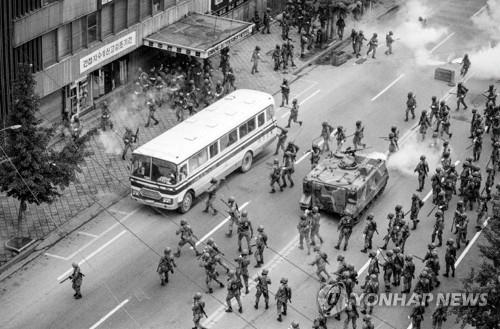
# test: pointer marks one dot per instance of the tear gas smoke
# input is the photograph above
(488, 19)
(406, 159)
(110, 142)
(377, 155)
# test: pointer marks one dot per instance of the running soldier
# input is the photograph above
(260, 244)
(372, 45)
(234, 214)
(411, 105)
(389, 40)
(423, 170)
(465, 65)
(416, 205)
(212, 190)
(340, 27)
(369, 230)
(390, 227)
(304, 229)
(211, 274)
(245, 230)
(275, 176)
(214, 251)
(424, 123)
(187, 236)
(326, 133)
(320, 260)
(314, 218)
(198, 309)
(491, 95)
(233, 291)
(358, 43)
(358, 136)
(283, 296)
(461, 93)
(417, 316)
(345, 228)
(281, 140)
(230, 78)
(151, 115)
(408, 274)
(482, 209)
(242, 268)
(294, 113)
(262, 288)
(166, 265)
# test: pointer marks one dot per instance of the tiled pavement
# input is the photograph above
(104, 177)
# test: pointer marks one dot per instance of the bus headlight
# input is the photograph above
(168, 200)
(135, 193)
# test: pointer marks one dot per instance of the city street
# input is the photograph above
(119, 250)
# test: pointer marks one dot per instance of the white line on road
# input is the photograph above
(442, 42)
(313, 84)
(303, 157)
(119, 211)
(388, 87)
(470, 244)
(88, 234)
(212, 231)
(55, 256)
(479, 11)
(305, 100)
(364, 267)
(98, 250)
(98, 323)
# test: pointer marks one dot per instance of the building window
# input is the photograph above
(106, 21)
(76, 32)
(22, 7)
(48, 2)
(64, 41)
(157, 6)
(30, 52)
(134, 12)
(91, 28)
(49, 48)
(120, 15)
(146, 8)
(170, 3)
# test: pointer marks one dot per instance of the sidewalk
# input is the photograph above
(104, 178)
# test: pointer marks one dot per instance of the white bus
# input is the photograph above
(174, 168)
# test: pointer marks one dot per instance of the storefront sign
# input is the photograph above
(231, 40)
(106, 52)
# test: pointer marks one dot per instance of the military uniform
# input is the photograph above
(233, 291)
(320, 261)
(439, 316)
(128, 140)
(151, 115)
(262, 289)
(314, 219)
(281, 140)
(450, 258)
(482, 209)
(345, 228)
(275, 176)
(368, 231)
(165, 266)
(187, 236)
(388, 267)
(372, 45)
(260, 244)
(242, 268)
(234, 215)
(245, 230)
(304, 230)
(212, 190)
(416, 205)
(411, 105)
(408, 274)
(351, 312)
(266, 21)
(358, 136)
(461, 230)
(211, 274)
(389, 40)
(76, 278)
(340, 137)
(283, 296)
(294, 113)
(461, 93)
(370, 289)
(422, 169)
(285, 93)
(398, 266)
(326, 133)
(288, 168)
(438, 228)
(424, 123)
(416, 317)
(198, 309)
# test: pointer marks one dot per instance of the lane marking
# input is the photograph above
(56, 256)
(303, 157)
(104, 318)
(479, 11)
(442, 42)
(87, 234)
(98, 250)
(302, 102)
(218, 226)
(120, 211)
(388, 87)
(312, 85)
(471, 242)
(364, 267)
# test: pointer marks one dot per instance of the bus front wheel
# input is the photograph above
(187, 202)
(246, 163)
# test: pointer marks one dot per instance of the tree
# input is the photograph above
(35, 172)
(485, 280)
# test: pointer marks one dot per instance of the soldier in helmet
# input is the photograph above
(212, 190)
(234, 214)
(416, 317)
(408, 273)
(388, 267)
(283, 296)
(326, 134)
(389, 40)
(439, 316)
(285, 92)
(320, 260)
(370, 289)
(276, 176)
(482, 209)
(260, 244)
(288, 167)
(450, 257)
(233, 291)
(219, 90)
(465, 65)
(304, 229)
(461, 230)
(416, 205)
(187, 236)
(198, 309)
(446, 160)
(438, 228)
(166, 265)
(422, 169)
(351, 311)
(294, 114)
(434, 109)
(424, 122)
(241, 272)
(358, 135)
(281, 140)
(372, 45)
(214, 250)
(367, 320)
(76, 278)
(314, 220)
(245, 230)
(340, 137)
(398, 266)
(262, 288)
(390, 227)
(128, 139)
(345, 228)
(368, 231)
(461, 93)
(315, 156)
(477, 146)
(151, 115)
(411, 105)
(342, 265)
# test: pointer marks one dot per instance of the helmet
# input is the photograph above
(231, 273)
(340, 258)
(265, 272)
(434, 98)
(284, 280)
(294, 325)
(450, 241)
(217, 258)
(294, 100)
(324, 123)
(370, 216)
(230, 199)
(459, 84)
(374, 34)
(439, 213)
(398, 207)
(358, 122)
(390, 33)
(167, 250)
(434, 253)
(438, 169)
(446, 143)
(244, 252)
(442, 103)
(303, 217)
(414, 196)
(244, 213)
(285, 81)
(394, 128)
(408, 257)
(183, 222)
(197, 295)
(315, 209)
(276, 161)
(210, 241)
(367, 317)
(431, 246)
(402, 222)
(410, 94)
(260, 228)
(391, 135)
(372, 254)
(373, 276)
(446, 154)
(213, 181)
(75, 265)
(460, 202)
(474, 110)
(422, 157)
(389, 253)
(396, 250)
(391, 215)
(424, 111)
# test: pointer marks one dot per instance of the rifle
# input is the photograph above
(415, 127)
(203, 311)
(67, 278)
(406, 213)
(420, 258)
(430, 212)
(386, 138)
(136, 136)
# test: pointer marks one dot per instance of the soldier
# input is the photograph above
(105, 117)
(354, 36)
(260, 244)
(433, 264)
(245, 230)
(461, 230)
(234, 214)
(214, 252)
(326, 133)
(294, 113)
(482, 209)
(262, 288)
(255, 60)
(358, 135)
(393, 142)
(266, 21)
(371, 289)
(212, 190)
(285, 92)
(416, 317)
(450, 258)
(390, 226)
(399, 262)
(465, 65)
(340, 137)
(276, 176)
(443, 111)
(242, 268)
(491, 95)
(445, 124)
(424, 124)
(351, 311)
(358, 43)
(320, 260)
(439, 316)
(367, 322)
(416, 205)
(372, 45)
(304, 230)
(340, 27)
(461, 93)
(230, 80)
(151, 115)
(76, 126)
(469, 194)
(288, 168)
(315, 156)
(388, 267)
(434, 109)
(128, 139)
(411, 105)
(408, 273)
(369, 230)
(187, 236)
(438, 228)
(490, 180)
(289, 52)
(277, 61)
(283, 296)
(446, 160)
(389, 40)
(76, 278)
(345, 228)
(422, 169)
(198, 311)
(477, 146)
(219, 90)
(473, 121)
(315, 217)
(233, 291)
(166, 265)
(211, 274)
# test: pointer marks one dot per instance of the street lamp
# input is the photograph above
(14, 127)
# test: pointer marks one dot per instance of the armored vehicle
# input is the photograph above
(345, 183)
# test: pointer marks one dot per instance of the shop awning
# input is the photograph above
(199, 35)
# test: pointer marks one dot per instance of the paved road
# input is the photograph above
(119, 259)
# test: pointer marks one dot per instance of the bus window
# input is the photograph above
(251, 125)
(269, 112)
(243, 130)
(261, 119)
(141, 166)
(163, 172)
(182, 173)
(228, 139)
(214, 149)
(197, 160)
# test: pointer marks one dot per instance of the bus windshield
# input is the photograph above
(153, 169)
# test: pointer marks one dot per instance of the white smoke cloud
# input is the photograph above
(488, 19)
(110, 142)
